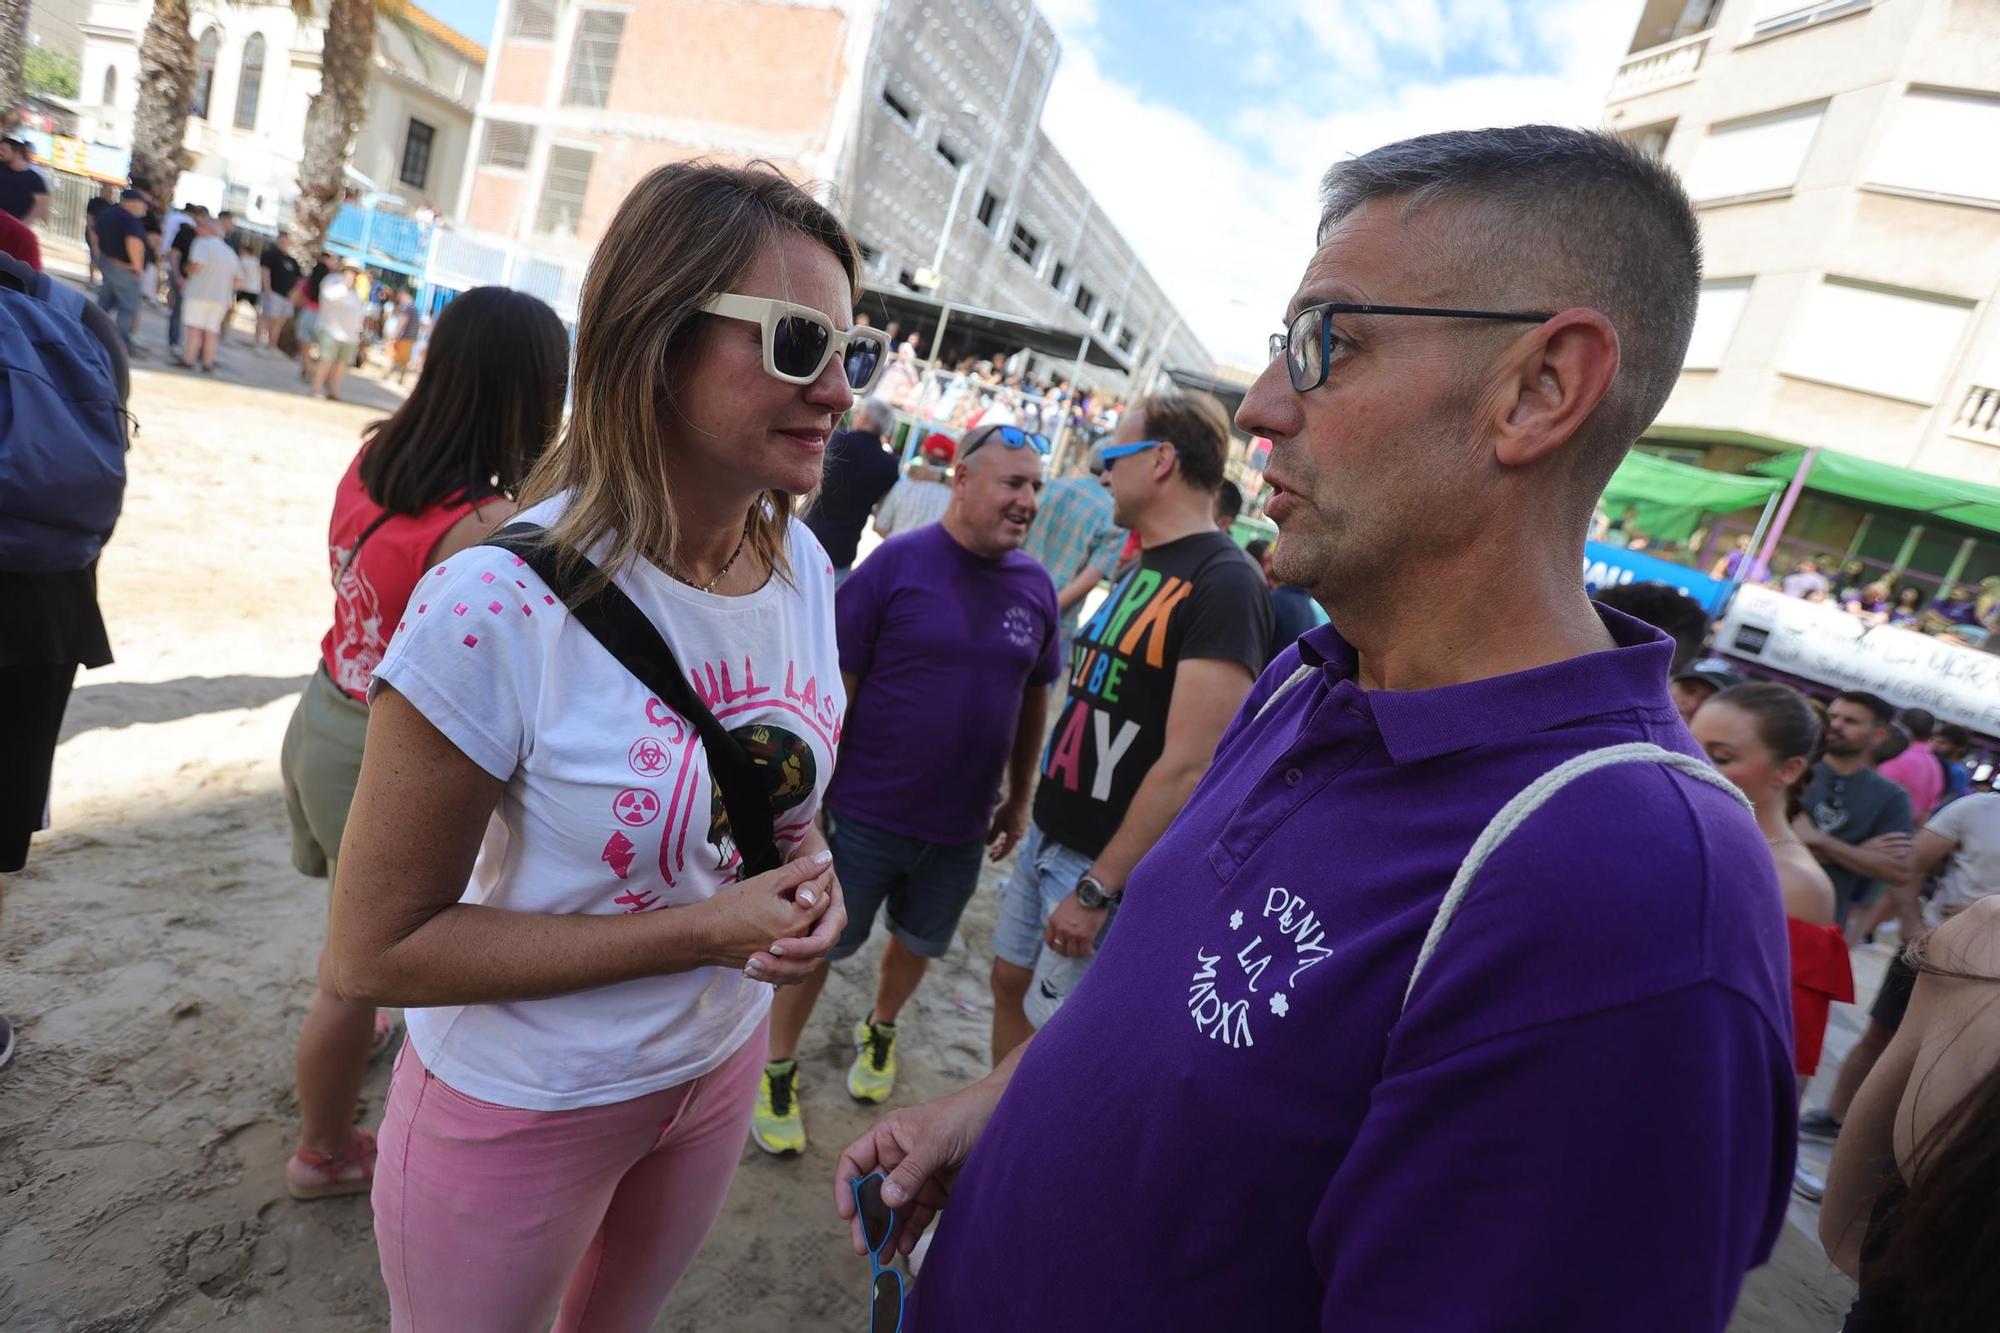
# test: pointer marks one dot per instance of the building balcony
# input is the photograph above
(1665, 66)
(1978, 415)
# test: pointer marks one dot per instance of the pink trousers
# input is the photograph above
(494, 1218)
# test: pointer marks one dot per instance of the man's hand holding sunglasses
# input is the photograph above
(920, 1149)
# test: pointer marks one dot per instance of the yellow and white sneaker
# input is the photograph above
(775, 1125)
(872, 1076)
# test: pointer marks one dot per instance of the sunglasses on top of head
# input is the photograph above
(799, 341)
(1307, 345)
(1011, 436)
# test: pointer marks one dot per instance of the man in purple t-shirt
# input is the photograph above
(949, 640)
(1336, 1067)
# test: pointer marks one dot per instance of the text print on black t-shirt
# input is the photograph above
(1199, 597)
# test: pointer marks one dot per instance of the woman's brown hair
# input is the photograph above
(1938, 1268)
(686, 232)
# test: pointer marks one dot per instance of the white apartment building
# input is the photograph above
(259, 68)
(1844, 156)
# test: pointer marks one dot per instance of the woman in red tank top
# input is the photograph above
(1764, 738)
(436, 477)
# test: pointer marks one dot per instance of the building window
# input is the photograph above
(1086, 300)
(896, 105)
(1758, 156)
(594, 57)
(950, 154)
(1058, 275)
(563, 190)
(1926, 146)
(1110, 318)
(1025, 245)
(204, 72)
(1773, 16)
(250, 84)
(1715, 322)
(1878, 339)
(869, 254)
(534, 20)
(989, 208)
(1651, 139)
(907, 279)
(417, 154)
(111, 86)
(1125, 341)
(507, 145)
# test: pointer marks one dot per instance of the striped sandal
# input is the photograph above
(311, 1175)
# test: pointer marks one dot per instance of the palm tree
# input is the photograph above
(13, 35)
(166, 93)
(335, 114)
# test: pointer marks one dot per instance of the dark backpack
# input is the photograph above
(62, 428)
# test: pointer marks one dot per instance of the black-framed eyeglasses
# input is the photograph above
(1011, 436)
(886, 1293)
(1307, 345)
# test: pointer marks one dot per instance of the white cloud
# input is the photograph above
(1227, 234)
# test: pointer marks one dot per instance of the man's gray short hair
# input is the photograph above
(1549, 218)
(876, 415)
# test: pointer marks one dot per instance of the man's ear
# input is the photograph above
(1556, 378)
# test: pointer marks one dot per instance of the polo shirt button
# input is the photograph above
(1292, 776)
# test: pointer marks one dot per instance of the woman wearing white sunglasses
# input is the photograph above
(540, 864)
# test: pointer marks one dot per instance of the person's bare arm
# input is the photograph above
(1010, 821)
(473, 529)
(1885, 857)
(919, 1150)
(400, 936)
(1078, 588)
(1865, 1152)
(1207, 693)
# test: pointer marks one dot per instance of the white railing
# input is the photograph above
(1659, 67)
(1978, 416)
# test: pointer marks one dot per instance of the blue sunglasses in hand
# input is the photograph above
(878, 1229)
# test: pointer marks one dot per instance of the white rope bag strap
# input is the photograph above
(1532, 798)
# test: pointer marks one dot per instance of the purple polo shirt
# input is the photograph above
(944, 643)
(1582, 1121)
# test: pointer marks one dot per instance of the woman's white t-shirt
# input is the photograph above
(608, 806)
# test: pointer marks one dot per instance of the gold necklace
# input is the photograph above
(720, 574)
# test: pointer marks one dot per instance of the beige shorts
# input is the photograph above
(320, 763)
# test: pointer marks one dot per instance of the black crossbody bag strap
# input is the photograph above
(622, 629)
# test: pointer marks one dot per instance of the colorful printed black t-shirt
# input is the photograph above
(1199, 597)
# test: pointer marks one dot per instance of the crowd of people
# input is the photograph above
(207, 274)
(1323, 994)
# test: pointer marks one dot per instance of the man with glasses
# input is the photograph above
(1077, 540)
(1154, 677)
(1344, 1063)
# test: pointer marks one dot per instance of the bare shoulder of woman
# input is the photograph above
(475, 527)
(1808, 893)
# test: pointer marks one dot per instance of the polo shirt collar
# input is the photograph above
(1422, 724)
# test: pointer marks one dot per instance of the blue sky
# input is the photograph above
(1225, 113)
(474, 18)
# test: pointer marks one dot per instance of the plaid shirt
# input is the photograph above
(912, 504)
(1074, 530)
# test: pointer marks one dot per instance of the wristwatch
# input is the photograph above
(1091, 893)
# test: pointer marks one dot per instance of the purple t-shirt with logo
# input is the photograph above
(1583, 1120)
(944, 643)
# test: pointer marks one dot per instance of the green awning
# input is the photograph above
(1967, 503)
(1672, 498)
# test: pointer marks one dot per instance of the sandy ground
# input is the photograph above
(155, 955)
